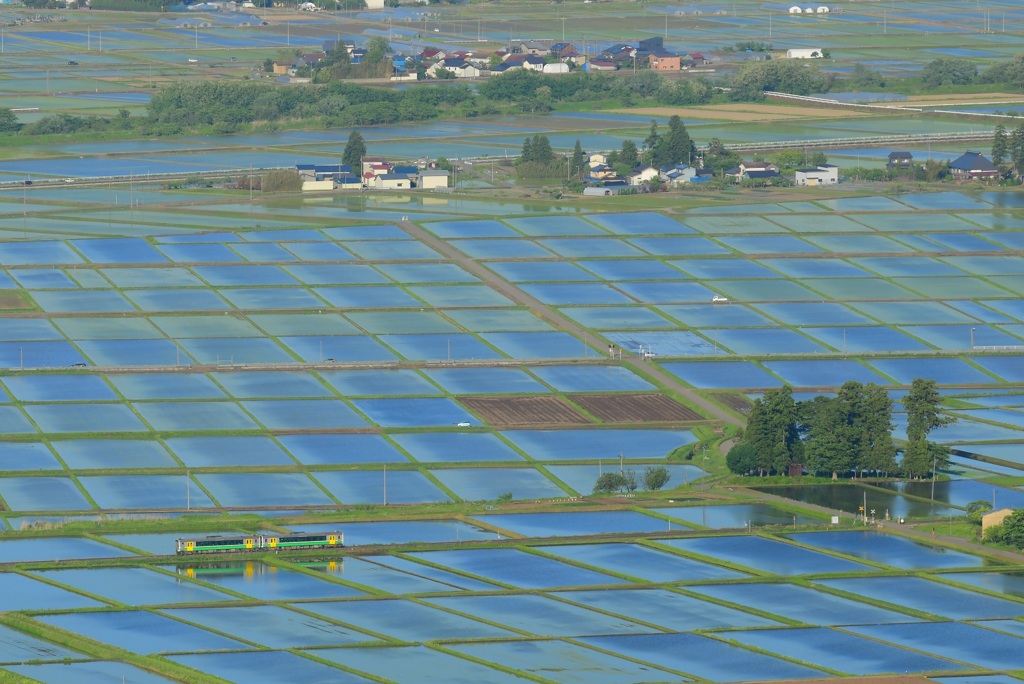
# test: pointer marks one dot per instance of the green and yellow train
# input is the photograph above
(259, 542)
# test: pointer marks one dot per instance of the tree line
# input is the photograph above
(228, 106)
(225, 107)
(848, 435)
(805, 77)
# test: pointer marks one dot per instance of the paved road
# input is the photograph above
(561, 322)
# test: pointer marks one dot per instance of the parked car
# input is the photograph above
(28, 182)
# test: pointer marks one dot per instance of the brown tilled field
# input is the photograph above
(524, 410)
(13, 300)
(736, 402)
(635, 408)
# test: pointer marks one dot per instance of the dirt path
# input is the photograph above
(552, 316)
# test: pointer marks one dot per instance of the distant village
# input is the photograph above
(375, 173)
(600, 179)
(543, 57)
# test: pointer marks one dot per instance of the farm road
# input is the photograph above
(563, 323)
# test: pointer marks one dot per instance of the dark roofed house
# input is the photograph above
(619, 53)
(762, 175)
(312, 58)
(564, 50)
(653, 44)
(900, 160)
(971, 165)
(533, 62)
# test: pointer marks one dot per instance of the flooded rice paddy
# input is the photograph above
(281, 359)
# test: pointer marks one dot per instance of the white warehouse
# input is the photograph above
(803, 53)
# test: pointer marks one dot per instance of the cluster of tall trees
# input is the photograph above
(538, 160)
(355, 150)
(796, 76)
(674, 147)
(943, 73)
(658, 150)
(1008, 148)
(842, 436)
(961, 72)
(337, 64)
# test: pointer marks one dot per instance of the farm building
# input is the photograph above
(826, 174)
(433, 179)
(392, 181)
(803, 53)
(317, 185)
(556, 68)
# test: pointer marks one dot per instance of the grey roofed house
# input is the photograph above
(972, 165)
(532, 47)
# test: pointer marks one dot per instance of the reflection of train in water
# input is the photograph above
(251, 569)
(260, 542)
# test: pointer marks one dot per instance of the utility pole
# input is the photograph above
(934, 460)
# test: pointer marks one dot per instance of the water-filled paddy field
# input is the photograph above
(803, 297)
(278, 359)
(566, 607)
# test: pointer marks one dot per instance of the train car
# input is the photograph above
(302, 540)
(218, 544)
